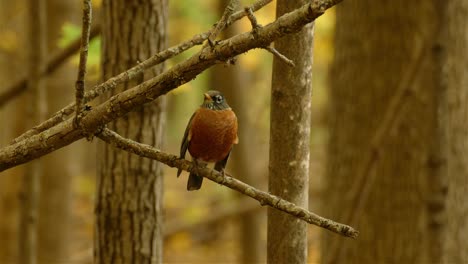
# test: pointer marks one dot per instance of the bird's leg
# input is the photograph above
(195, 162)
(220, 165)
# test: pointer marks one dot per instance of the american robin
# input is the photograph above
(209, 136)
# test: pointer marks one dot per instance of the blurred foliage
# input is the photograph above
(9, 40)
(72, 32)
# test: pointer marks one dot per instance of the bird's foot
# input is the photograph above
(222, 172)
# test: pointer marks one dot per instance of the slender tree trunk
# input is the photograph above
(383, 129)
(289, 141)
(455, 119)
(28, 251)
(234, 83)
(12, 116)
(60, 166)
(130, 188)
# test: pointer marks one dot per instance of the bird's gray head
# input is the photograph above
(215, 100)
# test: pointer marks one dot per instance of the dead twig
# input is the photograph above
(280, 56)
(255, 27)
(221, 24)
(264, 198)
(252, 18)
(79, 85)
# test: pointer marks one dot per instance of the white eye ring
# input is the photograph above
(218, 98)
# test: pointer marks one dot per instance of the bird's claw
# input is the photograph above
(222, 172)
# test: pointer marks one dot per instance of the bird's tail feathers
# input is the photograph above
(194, 182)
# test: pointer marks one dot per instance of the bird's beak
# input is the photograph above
(208, 97)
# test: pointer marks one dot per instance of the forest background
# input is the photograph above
(395, 120)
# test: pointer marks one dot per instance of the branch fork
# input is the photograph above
(255, 28)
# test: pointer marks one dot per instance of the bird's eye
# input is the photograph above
(218, 98)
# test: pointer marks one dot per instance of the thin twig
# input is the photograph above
(79, 86)
(252, 18)
(221, 24)
(240, 14)
(255, 27)
(54, 63)
(264, 198)
(129, 75)
(280, 56)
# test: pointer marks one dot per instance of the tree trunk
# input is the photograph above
(289, 141)
(61, 166)
(29, 212)
(130, 188)
(383, 130)
(12, 116)
(455, 119)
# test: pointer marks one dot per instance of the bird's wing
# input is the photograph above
(185, 142)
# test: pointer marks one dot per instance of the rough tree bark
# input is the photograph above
(60, 166)
(454, 119)
(289, 141)
(130, 188)
(383, 129)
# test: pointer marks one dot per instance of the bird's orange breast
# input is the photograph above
(212, 134)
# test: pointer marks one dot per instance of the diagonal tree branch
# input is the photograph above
(54, 63)
(132, 73)
(264, 198)
(122, 103)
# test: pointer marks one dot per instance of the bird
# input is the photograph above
(210, 135)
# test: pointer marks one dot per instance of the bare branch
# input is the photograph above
(280, 56)
(54, 63)
(252, 18)
(111, 83)
(120, 104)
(79, 86)
(129, 75)
(263, 197)
(255, 27)
(221, 24)
(254, 7)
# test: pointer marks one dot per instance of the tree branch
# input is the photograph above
(130, 74)
(221, 24)
(79, 86)
(280, 56)
(122, 103)
(272, 50)
(264, 198)
(54, 63)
